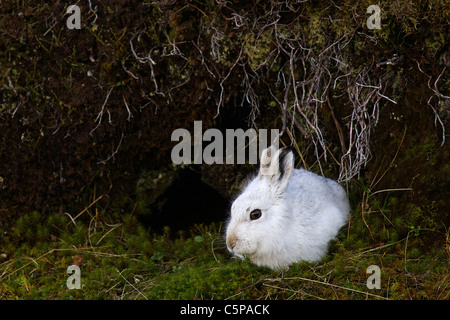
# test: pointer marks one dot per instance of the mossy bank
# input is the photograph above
(119, 259)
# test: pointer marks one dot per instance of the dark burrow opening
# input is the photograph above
(186, 202)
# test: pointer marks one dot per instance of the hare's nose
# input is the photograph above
(231, 241)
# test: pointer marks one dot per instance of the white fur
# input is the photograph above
(301, 213)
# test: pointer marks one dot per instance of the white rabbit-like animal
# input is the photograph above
(285, 215)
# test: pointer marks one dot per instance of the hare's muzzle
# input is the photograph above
(231, 241)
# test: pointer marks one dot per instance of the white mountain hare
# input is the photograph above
(285, 215)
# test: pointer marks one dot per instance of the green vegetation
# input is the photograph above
(120, 259)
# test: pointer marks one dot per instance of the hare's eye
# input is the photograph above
(255, 214)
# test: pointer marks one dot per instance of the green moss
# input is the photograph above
(257, 48)
(417, 217)
(314, 31)
(130, 263)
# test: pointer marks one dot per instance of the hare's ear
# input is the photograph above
(285, 168)
(277, 166)
(267, 162)
(286, 163)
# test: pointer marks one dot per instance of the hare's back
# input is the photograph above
(313, 190)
